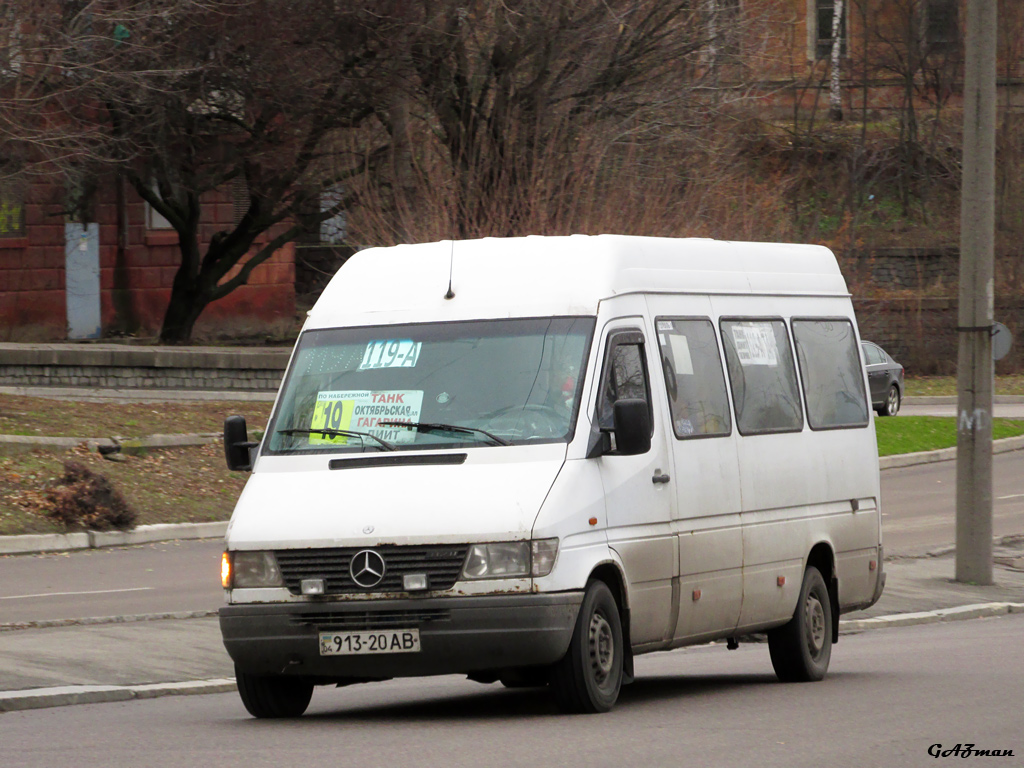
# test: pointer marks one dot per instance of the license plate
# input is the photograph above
(374, 641)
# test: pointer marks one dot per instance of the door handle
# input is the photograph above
(659, 478)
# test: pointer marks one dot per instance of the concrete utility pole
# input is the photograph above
(977, 298)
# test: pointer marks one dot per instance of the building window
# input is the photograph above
(820, 14)
(722, 22)
(941, 25)
(330, 231)
(239, 198)
(12, 213)
(155, 219)
(10, 44)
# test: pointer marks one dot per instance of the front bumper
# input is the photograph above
(457, 635)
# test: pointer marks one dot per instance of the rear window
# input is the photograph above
(832, 376)
(763, 376)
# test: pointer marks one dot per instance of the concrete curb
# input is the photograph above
(952, 399)
(960, 613)
(13, 701)
(945, 454)
(94, 620)
(129, 445)
(144, 534)
(101, 394)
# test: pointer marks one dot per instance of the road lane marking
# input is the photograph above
(1011, 496)
(66, 594)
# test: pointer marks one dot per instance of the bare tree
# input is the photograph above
(508, 92)
(182, 97)
(910, 40)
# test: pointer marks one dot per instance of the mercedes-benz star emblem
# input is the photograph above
(367, 568)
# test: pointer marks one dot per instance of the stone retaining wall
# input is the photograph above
(112, 366)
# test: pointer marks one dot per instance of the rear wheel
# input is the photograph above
(892, 402)
(802, 648)
(273, 696)
(589, 676)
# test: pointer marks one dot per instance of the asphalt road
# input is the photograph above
(918, 504)
(889, 696)
(154, 578)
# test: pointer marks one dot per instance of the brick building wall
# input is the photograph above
(32, 300)
(135, 287)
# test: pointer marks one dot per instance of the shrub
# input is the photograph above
(86, 499)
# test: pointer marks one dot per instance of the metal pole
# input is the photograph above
(977, 297)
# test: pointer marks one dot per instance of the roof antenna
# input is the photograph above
(451, 262)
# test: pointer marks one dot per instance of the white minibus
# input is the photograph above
(529, 460)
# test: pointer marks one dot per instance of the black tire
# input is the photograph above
(892, 402)
(589, 676)
(802, 648)
(273, 696)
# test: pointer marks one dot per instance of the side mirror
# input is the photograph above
(237, 445)
(632, 426)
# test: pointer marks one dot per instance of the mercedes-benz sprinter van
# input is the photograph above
(528, 460)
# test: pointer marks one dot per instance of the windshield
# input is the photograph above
(479, 383)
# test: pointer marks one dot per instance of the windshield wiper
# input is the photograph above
(421, 426)
(338, 433)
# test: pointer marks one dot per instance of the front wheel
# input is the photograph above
(802, 648)
(589, 676)
(273, 696)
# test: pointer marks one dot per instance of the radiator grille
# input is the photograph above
(441, 563)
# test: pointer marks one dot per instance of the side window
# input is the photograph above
(694, 378)
(763, 376)
(872, 355)
(832, 377)
(625, 374)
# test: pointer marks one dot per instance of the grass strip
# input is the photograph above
(911, 434)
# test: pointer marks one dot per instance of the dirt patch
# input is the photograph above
(179, 485)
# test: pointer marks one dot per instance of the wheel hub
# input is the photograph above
(815, 614)
(602, 647)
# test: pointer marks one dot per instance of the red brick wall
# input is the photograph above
(133, 294)
(32, 305)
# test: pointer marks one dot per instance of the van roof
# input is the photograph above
(565, 275)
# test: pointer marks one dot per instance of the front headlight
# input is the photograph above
(508, 559)
(255, 569)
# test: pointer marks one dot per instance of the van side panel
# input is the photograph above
(706, 482)
(798, 489)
